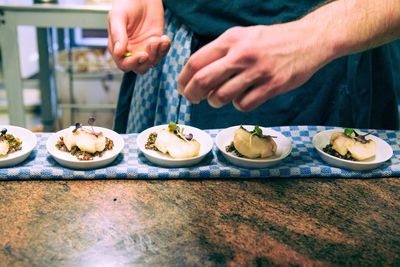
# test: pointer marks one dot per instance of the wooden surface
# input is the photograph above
(283, 222)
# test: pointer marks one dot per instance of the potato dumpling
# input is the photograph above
(252, 145)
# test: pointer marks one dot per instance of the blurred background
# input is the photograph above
(86, 79)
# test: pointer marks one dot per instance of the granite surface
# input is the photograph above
(272, 222)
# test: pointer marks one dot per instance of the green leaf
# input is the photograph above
(172, 126)
(257, 131)
(348, 132)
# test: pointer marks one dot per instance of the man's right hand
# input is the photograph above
(135, 34)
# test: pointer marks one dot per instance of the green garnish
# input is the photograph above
(349, 132)
(257, 131)
(172, 126)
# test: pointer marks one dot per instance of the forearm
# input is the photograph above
(348, 26)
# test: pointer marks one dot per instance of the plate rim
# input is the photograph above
(255, 161)
(358, 163)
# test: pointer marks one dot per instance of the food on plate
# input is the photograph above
(173, 141)
(252, 144)
(9, 143)
(83, 143)
(350, 145)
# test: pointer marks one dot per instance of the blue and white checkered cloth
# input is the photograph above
(155, 99)
(303, 162)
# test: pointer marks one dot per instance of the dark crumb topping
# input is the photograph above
(232, 149)
(151, 140)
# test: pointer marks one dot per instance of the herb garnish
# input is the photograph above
(358, 137)
(173, 127)
(91, 121)
(4, 131)
(77, 126)
(257, 131)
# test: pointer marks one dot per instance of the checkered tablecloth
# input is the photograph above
(303, 162)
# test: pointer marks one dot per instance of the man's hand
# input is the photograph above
(135, 34)
(249, 65)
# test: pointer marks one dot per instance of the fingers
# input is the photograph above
(203, 57)
(231, 89)
(117, 33)
(209, 78)
(137, 63)
(157, 48)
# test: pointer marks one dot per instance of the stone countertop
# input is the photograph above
(285, 222)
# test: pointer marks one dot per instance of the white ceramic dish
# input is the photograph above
(383, 152)
(165, 160)
(67, 160)
(225, 138)
(29, 141)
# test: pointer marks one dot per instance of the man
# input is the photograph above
(290, 68)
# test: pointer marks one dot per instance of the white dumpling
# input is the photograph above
(176, 147)
(359, 151)
(85, 140)
(4, 147)
(253, 146)
(340, 142)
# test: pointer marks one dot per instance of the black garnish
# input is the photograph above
(77, 126)
(231, 148)
(189, 137)
(329, 149)
(4, 131)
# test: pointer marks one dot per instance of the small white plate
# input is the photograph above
(29, 141)
(283, 144)
(165, 160)
(383, 152)
(67, 160)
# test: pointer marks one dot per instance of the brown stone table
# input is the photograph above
(284, 222)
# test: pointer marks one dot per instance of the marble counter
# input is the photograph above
(282, 222)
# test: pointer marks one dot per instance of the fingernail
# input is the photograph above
(117, 46)
(214, 104)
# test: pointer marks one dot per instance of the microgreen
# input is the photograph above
(77, 126)
(91, 121)
(172, 126)
(4, 131)
(349, 132)
(358, 137)
(257, 131)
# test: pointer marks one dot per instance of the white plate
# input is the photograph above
(225, 138)
(383, 152)
(165, 160)
(29, 141)
(67, 160)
